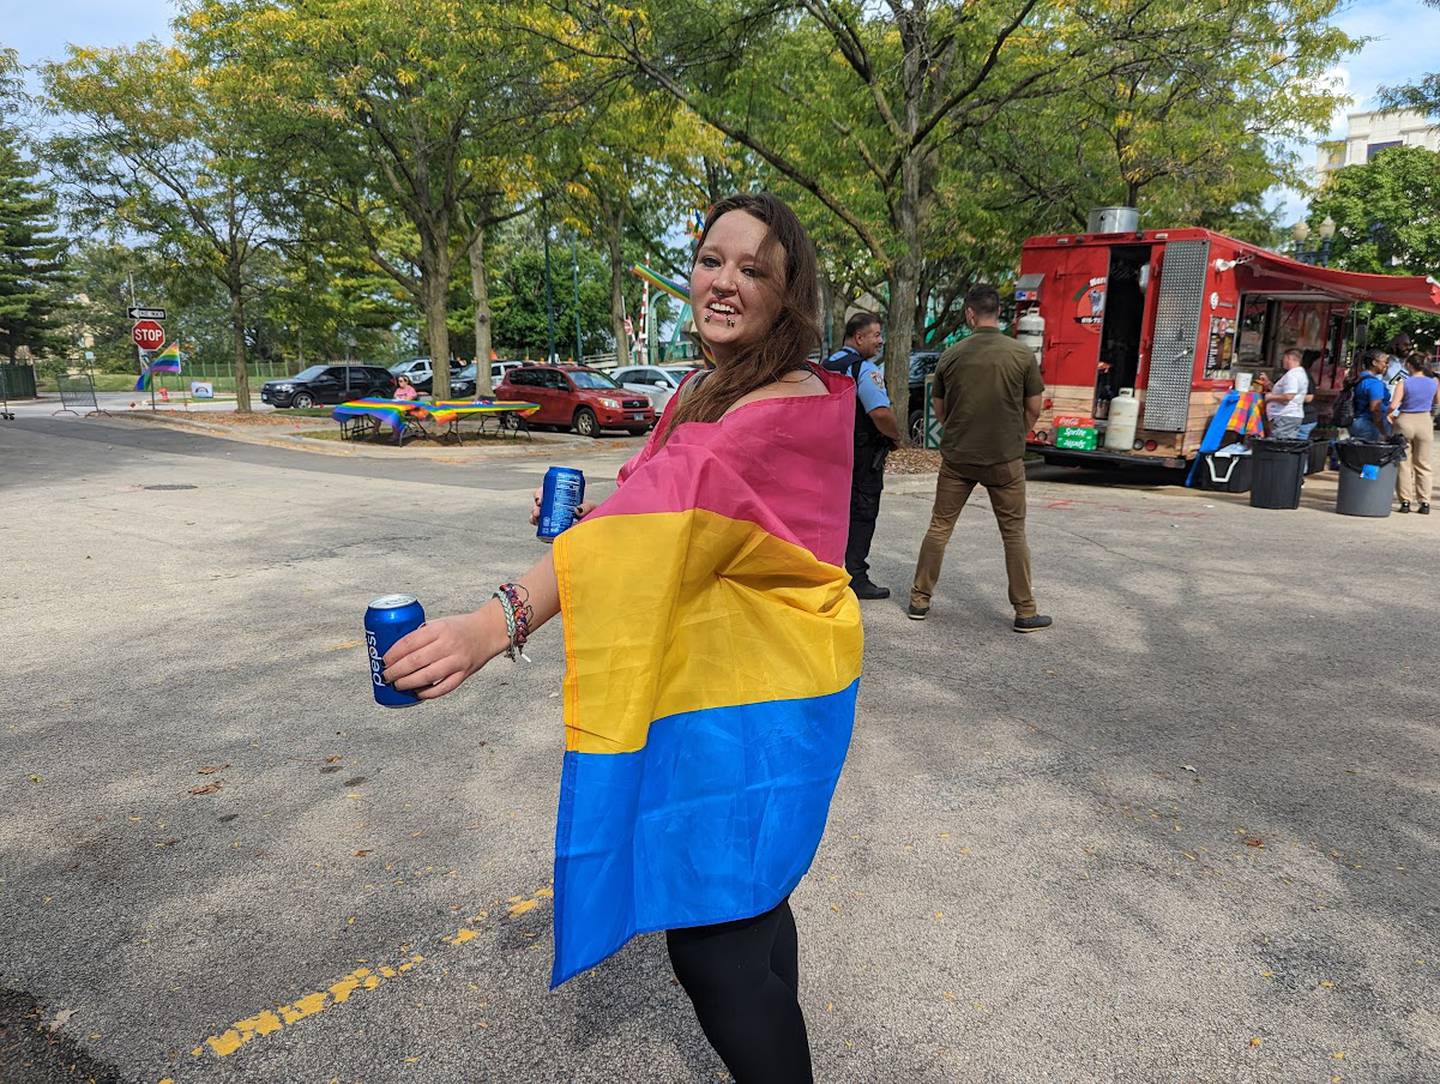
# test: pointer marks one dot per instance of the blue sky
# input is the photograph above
(1406, 33)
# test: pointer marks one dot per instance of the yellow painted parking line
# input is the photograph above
(363, 979)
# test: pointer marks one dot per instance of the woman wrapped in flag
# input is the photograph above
(713, 652)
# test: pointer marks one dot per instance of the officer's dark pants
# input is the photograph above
(865, 489)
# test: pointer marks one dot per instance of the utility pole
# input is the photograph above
(549, 288)
(575, 273)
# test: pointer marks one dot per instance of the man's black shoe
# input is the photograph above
(863, 588)
(1404, 507)
(1424, 508)
(917, 613)
(1034, 623)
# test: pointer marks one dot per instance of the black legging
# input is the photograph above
(744, 979)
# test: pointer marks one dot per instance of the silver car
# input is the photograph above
(659, 382)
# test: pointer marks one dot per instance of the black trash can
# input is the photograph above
(1367, 477)
(1319, 454)
(1279, 472)
(1226, 473)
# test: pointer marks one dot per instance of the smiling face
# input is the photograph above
(735, 284)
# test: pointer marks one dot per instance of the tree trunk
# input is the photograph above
(480, 291)
(435, 285)
(614, 235)
(237, 330)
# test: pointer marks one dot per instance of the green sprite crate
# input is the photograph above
(1075, 438)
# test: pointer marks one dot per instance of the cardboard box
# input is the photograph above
(1074, 438)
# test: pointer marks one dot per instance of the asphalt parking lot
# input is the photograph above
(1190, 834)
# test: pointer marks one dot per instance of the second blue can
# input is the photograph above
(560, 496)
(390, 618)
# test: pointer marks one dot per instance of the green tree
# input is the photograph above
(146, 147)
(1385, 224)
(32, 272)
(864, 106)
(379, 114)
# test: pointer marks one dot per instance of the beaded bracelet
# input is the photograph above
(515, 605)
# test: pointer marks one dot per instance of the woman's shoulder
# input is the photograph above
(787, 387)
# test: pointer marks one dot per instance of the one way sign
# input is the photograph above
(145, 314)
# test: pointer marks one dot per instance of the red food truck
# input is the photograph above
(1141, 333)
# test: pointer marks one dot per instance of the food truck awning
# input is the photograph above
(1261, 270)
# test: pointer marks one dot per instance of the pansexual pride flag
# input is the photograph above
(167, 361)
(712, 658)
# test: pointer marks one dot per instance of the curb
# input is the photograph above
(298, 442)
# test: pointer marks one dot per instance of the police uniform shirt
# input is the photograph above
(870, 387)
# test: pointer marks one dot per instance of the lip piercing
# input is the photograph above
(729, 322)
(707, 317)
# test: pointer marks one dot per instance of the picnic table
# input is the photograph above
(363, 418)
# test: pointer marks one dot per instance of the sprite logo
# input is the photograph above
(377, 664)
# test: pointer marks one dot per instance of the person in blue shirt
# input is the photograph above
(876, 432)
(1372, 401)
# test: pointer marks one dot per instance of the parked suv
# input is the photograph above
(658, 382)
(462, 382)
(922, 364)
(422, 376)
(328, 384)
(578, 398)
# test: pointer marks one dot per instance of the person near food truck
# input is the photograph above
(876, 433)
(988, 394)
(1285, 404)
(1416, 397)
(1400, 349)
(1372, 400)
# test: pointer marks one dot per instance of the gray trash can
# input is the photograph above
(1367, 478)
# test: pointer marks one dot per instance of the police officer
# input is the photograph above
(876, 432)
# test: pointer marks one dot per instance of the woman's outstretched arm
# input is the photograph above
(439, 655)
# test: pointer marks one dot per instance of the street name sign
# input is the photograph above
(136, 313)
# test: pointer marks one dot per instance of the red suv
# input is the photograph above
(578, 398)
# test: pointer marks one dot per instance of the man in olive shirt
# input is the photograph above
(987, 395)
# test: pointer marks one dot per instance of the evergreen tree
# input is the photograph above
(31, 253)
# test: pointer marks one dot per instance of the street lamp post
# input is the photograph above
(1301, 233)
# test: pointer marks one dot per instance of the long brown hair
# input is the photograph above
(796, 331)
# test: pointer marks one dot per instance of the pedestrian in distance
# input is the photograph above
(1372, 401)
(1285, 404)
(987, 394)
(1414, 420)
(405, 390)
(876, 434)
(712, 652)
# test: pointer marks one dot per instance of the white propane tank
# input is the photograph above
(1124, 419)
(1030, 333)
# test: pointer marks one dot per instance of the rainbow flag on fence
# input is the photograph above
(167, 361)
(712, 652)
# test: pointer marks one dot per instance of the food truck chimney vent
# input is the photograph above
(1113, 220)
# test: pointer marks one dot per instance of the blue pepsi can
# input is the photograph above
(560, 496)
(389, 618)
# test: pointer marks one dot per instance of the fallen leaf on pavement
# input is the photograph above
(211, 769)
(332, 760)
(362, 852)
(1326, 984)
(61, 1019)
(1187, 767)
(208, 788)
(1254, 1042)
(1251, 841)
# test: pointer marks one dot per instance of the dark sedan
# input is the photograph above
(328, 384)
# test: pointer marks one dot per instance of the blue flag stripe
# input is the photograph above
(717, 818)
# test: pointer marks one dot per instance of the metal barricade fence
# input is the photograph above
(78, 391)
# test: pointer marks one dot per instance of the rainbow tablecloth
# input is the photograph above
(397, 413)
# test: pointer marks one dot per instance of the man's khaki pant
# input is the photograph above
(1005, 483)
(1413, 480)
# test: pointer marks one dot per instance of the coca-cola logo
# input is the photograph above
(377, 664)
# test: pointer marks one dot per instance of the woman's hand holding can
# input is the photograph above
(435, 658)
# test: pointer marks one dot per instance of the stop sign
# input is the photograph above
(148, 335)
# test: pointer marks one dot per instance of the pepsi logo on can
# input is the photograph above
(560, 497)
(389, 619)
